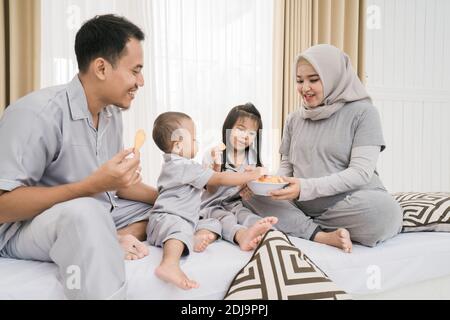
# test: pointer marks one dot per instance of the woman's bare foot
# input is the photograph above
(248, 239)
(173, 274)
(339, 238)
(133, 248)
(202, 239)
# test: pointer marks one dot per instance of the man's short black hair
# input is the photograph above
(104, 36)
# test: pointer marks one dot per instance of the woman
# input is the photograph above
(329, 150)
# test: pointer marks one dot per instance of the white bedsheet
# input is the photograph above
(402, 261)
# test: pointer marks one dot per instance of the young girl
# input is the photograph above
(240, 152)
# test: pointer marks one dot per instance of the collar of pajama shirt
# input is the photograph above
(250, 159)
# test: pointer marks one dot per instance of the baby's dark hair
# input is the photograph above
(247, 110)
(164, 127)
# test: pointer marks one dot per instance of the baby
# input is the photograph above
(175, 215)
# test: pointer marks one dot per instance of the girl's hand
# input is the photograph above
(290, 192)
(216, 153)
(216, 156)
(246, 193)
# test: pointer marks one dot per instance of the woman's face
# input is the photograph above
(309, 85)
(243, 133)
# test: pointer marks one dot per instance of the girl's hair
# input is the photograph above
(247, 110)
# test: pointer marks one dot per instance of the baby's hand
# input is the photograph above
(261, 171)
(256, 171)
(250, 168)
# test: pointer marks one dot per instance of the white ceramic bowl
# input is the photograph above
(263, 188)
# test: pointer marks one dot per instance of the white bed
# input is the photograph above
(410, 266)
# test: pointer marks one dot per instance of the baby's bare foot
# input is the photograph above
(271, 220)
(202, 239)
(249, 238)
(339, 238)
(173, 274)
(254, 243)
(133, 248)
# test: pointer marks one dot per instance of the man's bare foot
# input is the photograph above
(202, 239)
(137, 229)
(339, 238)
(248, 239)
(173, 274)
(133, 248)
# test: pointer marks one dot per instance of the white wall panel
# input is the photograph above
(408, 76)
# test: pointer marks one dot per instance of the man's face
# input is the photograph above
(125, 78)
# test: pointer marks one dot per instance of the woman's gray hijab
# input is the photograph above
(340, 82)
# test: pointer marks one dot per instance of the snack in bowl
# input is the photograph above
(271, 179)
(266, 184)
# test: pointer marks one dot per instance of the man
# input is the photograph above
(66, 185)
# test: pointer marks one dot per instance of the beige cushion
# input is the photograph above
(280, 271)
(425, 211)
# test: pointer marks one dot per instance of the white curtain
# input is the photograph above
(202, 57)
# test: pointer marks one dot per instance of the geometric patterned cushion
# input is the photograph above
(425, 211)
(280, 271)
